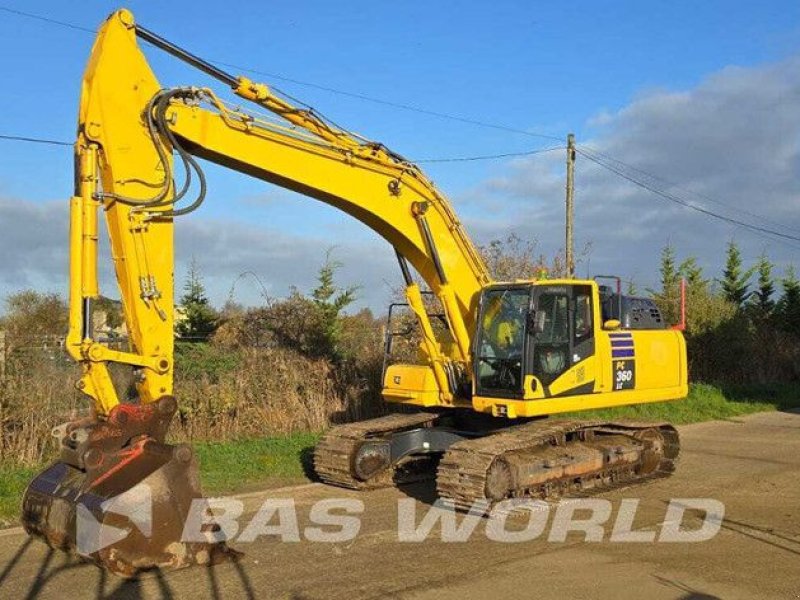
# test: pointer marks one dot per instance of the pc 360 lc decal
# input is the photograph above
(623, 356)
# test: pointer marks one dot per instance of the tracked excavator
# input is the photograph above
(474, 411)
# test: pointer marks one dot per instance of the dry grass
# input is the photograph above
(272, 391)
(222, 395)
(36, 394)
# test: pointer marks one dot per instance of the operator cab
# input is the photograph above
(540, 329)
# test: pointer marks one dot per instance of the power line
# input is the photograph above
(687, 190)
(45, 19)
(758, 230)
(683, 202)
(325, 88)
(19, 138)
(398, 105)
(488, 156)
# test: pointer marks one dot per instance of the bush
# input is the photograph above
(270, 390)
(204, 360)
(733, 335)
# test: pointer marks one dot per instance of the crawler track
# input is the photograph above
(334, 454)
(465, 470)
(543, 459)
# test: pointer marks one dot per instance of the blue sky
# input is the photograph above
(540, 67)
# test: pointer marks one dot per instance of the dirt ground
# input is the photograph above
(752, 465)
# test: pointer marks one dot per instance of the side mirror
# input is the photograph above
(612, 324)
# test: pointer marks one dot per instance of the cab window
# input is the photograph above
(583, 316)
(551, 341)
(502, 339)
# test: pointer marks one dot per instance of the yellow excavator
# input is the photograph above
(498, 359)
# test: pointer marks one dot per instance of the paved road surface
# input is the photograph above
(751, 464)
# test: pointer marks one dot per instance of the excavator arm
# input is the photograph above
(129, 129)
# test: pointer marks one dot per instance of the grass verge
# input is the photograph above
(706, 403)
(237, 466)
(225, 467)
(13, 481)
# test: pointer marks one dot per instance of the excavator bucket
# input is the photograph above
(121, 497)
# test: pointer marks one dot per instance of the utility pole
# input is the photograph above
(569, 247)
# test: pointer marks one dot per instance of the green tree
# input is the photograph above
(693, 274)
(789, 305)
(200, 319)
(705, 309)
(312, 325)
(668, 270)
(331, 300)
(667, 296)
(735, 279)
(111, 309)
(762, 297)
(31, 316)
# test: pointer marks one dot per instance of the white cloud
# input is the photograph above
(735, 139)
(34, 247)
(226, 249)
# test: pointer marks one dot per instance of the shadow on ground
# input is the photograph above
(306, 457)
(54, 565)
(687, 592)
(421, 491)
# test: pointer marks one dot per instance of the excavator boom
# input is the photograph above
(128, 130)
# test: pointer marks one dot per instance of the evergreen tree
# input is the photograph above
(669, 273)
(693, 274)
(762, 297)
(789, 305)
(331, 300)
(735, 280)
(667, 297)
(200, 319)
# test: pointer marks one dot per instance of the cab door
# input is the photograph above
(561, 342)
